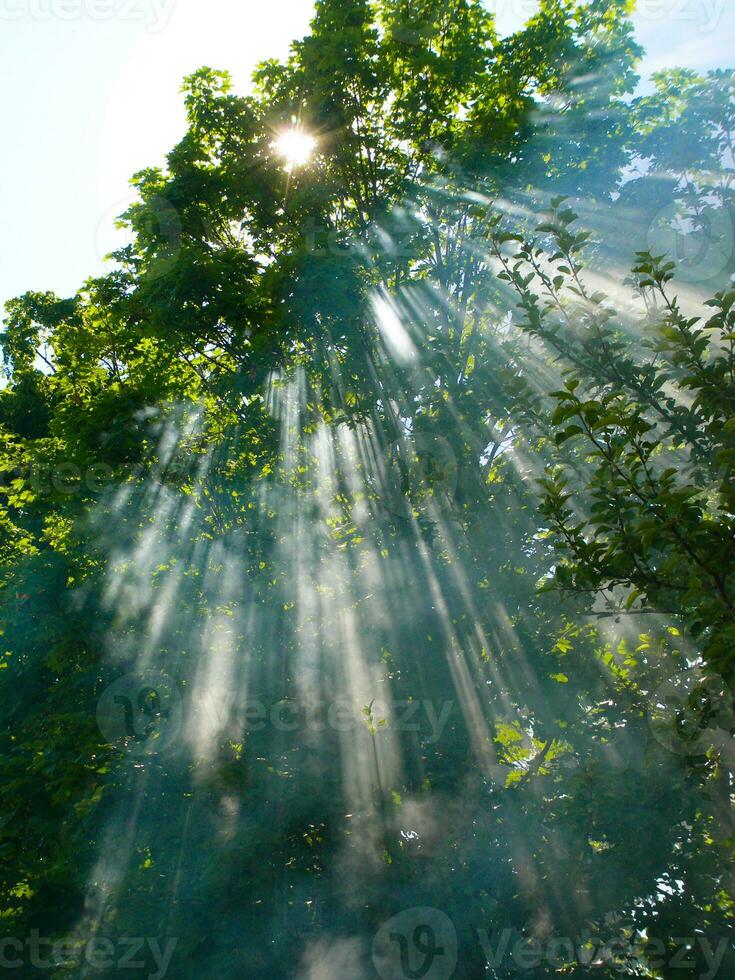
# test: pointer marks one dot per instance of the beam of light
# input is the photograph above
(390, 324)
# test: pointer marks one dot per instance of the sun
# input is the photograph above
(295, 146)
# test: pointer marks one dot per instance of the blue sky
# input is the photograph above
(90, 94)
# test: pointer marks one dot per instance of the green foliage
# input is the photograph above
(641, 498)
